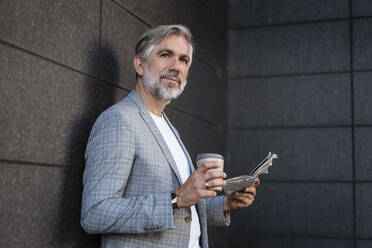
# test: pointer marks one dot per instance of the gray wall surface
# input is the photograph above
(291, 77)
(299, 85)
(61, 64)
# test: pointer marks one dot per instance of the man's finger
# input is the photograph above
(216, 183)
(247, 200)
(257, 182)
(237, 199)
(251, 190)
(243, 195)
(206, 166)
(208, 193)
(244, 200)
(214, 174)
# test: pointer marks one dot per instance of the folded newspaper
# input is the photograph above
(239, 183)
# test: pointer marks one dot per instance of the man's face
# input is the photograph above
(166, 68)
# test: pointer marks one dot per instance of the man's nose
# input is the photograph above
(175, 65)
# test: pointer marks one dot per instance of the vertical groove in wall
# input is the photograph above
(227, 98)
(226, 79)
(225, 131)
(100, 23)
(100, 35)
(352, 119)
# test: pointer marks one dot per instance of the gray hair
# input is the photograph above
(151, 37)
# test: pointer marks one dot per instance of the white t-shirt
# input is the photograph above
(184, 170)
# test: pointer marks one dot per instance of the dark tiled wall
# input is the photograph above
(299, 85)
(62, 64)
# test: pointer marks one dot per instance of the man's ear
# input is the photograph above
(138, 65)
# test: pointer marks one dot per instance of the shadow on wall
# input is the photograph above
(102, 63)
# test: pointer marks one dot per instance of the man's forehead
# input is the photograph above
(176, 44)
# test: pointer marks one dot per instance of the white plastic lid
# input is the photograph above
(209, 155)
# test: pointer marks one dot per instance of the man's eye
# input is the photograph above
(186, 61)
(164, 55)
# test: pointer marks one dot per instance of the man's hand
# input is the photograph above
(241, 199)
(195, 188)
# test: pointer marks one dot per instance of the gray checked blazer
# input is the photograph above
(128, 179)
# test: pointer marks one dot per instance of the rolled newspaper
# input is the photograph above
(239, 183)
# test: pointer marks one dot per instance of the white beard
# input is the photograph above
(156, 89)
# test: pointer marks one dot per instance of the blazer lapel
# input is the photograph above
(174, 130)
(155, 131)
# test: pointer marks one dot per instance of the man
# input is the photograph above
(140, 187)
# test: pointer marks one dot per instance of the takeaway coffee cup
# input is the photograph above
(211, 157)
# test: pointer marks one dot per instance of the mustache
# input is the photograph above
(170, 74)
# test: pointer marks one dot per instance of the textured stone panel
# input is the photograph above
(311, 209)
(198, 136)
(205, 19)
(290, 101)
(64, 31)
(363, 153)
(304, 154)
(322, 243)
(213, 96)
(204, 95)
(363, 210)
(263, 12)
(319, 47)
(362, 98)
(362, 39)
(363, 243)
(218, 237)
(120, 31)
(362, 7)
(47, 110)
(244, 240)
(40, 207)
(154, 12)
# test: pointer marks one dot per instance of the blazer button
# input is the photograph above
(188, 219)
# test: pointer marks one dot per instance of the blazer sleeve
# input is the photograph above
(109, 158)
(215, 214)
